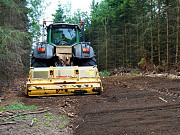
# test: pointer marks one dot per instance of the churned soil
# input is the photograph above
(129, 105)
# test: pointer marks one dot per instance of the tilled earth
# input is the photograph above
(129, 105)
(132, 106)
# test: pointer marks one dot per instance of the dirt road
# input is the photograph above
(132, 106)
(129, 105)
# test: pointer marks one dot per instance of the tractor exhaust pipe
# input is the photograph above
(82, 30)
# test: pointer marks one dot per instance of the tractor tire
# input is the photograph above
(89, 62)
(38, 63)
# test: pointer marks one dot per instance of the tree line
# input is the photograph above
(135, 32)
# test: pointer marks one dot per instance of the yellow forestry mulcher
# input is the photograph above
(63, 65)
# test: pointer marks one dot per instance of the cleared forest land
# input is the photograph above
(132, 105)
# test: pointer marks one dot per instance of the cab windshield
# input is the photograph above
(63, 36)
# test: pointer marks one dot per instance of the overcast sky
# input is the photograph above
(84, 5)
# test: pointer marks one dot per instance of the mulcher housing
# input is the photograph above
(63, 81)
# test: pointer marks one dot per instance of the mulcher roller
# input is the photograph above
(70, 80)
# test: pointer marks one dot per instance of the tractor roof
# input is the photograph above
(64, 25)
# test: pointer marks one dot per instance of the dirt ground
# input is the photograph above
(129, 105)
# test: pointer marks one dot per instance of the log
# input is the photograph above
(37, 112)
(6, 123)
(31, 124)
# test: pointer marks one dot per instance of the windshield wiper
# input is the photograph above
(70, 33)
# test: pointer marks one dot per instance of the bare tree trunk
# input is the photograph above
(123, 51)
(98, 49)
(159, 44)
(137, 31)
(126, 42)
(106, 44)
(177, 35)
(115, 50)
(167, 35)
(143, 29)
(123, 46)
(106, 52)
(151, 34)
(130, 53)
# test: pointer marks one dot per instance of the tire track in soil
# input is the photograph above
(130, 105)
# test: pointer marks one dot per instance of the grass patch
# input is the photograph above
(49, 116)
(62, 117)
(42, 120)
(15, 108)
(47, 124)
(133, 72)
(104, 73)
(65, 123)
(19, 106)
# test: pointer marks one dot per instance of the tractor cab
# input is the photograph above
(62, 34)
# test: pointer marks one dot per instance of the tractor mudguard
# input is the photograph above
(45, 54)
(83, 50)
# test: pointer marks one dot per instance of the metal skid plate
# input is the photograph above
(63, 81)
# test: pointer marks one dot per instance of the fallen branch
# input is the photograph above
(163, 99)
(6, 123)
(32, 122)
(37, 112)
